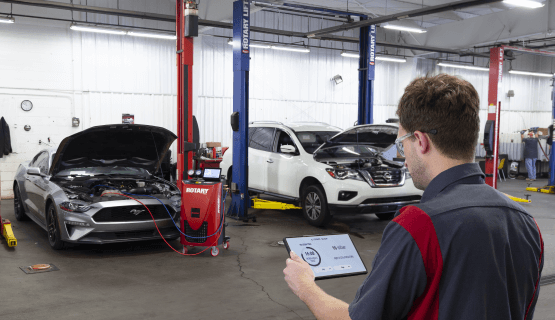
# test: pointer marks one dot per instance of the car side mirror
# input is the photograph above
(33, 171)
(287, 149)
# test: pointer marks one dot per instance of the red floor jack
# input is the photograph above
(202, 211)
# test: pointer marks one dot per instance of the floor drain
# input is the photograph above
(39, 268)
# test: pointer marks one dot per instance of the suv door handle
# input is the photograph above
(270, 161)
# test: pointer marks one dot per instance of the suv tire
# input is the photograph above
(315, 206)
(385, 216)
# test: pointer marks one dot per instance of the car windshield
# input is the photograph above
(311, 140)
(114, 170)
(346, 151)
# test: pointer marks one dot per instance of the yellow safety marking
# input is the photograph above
(517, 199)
(546, 189)
(8, 234)
(265, 204)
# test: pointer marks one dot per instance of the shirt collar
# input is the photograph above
(468, 173)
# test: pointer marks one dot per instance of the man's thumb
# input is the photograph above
(294, 256)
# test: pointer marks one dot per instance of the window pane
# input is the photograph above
(262, 139)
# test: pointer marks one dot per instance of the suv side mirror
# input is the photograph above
(33, 171)
(287, 149)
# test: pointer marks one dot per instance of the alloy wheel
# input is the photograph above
(313, 205)
(52, 225)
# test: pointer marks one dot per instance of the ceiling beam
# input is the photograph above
(402, 15)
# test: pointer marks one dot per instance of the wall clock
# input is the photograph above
(26, 105)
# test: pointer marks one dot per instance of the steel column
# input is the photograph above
(552, 157)
(240, 201)
(184, 95)
(366, 75)
(494, 109)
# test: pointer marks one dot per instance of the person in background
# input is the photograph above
(530, 152)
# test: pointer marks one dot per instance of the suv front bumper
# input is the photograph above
(371, 207)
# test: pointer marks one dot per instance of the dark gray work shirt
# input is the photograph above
(465, 252)
(530, 148)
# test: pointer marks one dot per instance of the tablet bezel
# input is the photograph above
(330, 276)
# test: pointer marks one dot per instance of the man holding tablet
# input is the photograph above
(466, 251)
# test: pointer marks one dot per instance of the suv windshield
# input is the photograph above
(311, 140)
(114, 170)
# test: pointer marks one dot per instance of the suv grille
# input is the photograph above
(132, 213)
(386, 175)
(390, 200)
(201, 232)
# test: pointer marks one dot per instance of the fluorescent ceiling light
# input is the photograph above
(408, 29)
(537, 74)
(524, 3)
(96, 29)
(7, 20)
(392, 59)
(296, 49)
(254, 45)
(152, 35)
(461, 66)
(350, 55)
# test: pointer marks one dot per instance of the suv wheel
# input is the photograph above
(54, 238)
(385, 216)
(315, 206)
(19, 211)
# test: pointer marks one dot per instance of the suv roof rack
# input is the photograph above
(320, 122)
(252, 122)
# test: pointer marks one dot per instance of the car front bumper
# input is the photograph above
(84, 228)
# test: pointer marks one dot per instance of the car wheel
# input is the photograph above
(54, 238)
(315, 206)
(19, 212)
(385, 216)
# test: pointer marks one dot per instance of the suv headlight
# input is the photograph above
(342, 174)
(72, 206)
(407, 174)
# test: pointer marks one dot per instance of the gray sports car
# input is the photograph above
(74, 192)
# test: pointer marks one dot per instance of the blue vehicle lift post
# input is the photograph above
(366, 75)
(552, 157)
(240, 200)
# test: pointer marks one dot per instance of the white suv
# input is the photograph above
(326, 170)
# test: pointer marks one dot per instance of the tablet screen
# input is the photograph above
(329, 256)
(212, 173)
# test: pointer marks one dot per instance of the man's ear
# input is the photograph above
(423, 143)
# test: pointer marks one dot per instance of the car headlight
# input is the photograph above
(72, 206)
(342, 174)
(175, 201)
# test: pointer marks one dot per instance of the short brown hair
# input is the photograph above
(447, 104)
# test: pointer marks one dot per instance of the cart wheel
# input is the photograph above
(185, 250)
(226, 245)
(215, 251)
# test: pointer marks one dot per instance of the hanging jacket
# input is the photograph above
(5, 141)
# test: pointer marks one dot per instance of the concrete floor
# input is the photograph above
(147, 280)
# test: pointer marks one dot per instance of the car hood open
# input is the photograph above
(126, 145)
(380, 136)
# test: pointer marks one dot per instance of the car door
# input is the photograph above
(283, 167)
(260, 147)
(33, 192)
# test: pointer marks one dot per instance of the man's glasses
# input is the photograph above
(399, 141)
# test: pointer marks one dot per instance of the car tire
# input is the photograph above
(385, 216)
(53, 229)
(19, 211)
(315, 206)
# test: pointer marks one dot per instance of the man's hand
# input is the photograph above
(299, 276)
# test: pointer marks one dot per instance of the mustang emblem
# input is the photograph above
(137, 211)
(387, 176)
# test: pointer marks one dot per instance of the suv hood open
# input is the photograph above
(380, 137)
(126, 145)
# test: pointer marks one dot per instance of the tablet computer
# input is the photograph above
(329, 256)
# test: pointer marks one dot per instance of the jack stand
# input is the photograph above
(8, 233)
(527, 196)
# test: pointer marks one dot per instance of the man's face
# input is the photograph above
(415, 165)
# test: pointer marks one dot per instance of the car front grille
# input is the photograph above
(196, 236)
(133, 213)
(383, 176)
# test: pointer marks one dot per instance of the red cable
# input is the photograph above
(183, 254)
